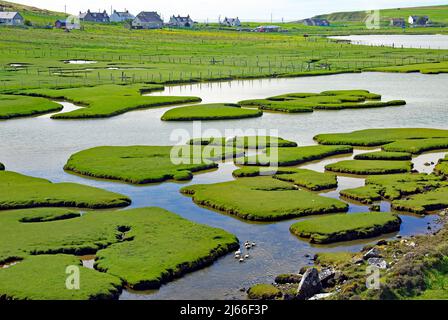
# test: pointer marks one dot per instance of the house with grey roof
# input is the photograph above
(316, 22)
(147, 20)
(99, 17)
(181, 22)
(118, 16)
(8, 18)
(231, 22)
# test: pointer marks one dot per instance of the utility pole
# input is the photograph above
(271, 17)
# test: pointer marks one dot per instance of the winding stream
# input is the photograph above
(40, 147)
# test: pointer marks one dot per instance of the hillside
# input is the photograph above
(437, 14)
(35, 15)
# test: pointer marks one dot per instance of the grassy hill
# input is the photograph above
(35, 15)
(437, 14)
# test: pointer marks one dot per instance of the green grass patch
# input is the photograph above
(143, 247)
(207, 112)
(417, 146)
(312, 180)
(423, 203)
(383, 155)
(328, 100)
(12, 106)
(262, 199)
(333, 258)
(19, 282)
(108, 100)
(346, 227)
(442, 167)
(425, 68)
(393, 187)
(245, 142)
(22, 191)
(367, 167)
(246, 172)
(264, 292)
(147, 164)
(379, 137)
(294, 156)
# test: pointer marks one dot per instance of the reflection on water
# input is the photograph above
(436, 41)
(41, 146)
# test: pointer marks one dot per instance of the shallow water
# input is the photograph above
(40, 147)
(436, 41)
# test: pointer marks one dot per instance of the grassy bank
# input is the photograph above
(264, 199)
(21, 106)
(368, 167)
(245, 142)
(108, 100)
(207, 112)
(127, 243)
(19, 282)
(379, 137)
(382, 155)
(312, 180)
(328, 100)
(294, 156)
(147, 164)
(417, 146)
(346, 227)
(29, 192)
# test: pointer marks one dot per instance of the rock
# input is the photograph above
(358, 261)
(377, 262)
(326, 277)
(372, 253)
(322, 296)
(310, 285)
(375, 208)
(303, 270)
(427, 164)
(382, 242)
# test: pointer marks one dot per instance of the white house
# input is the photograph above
(117, 16)
(418, 20)
(147, 20)
(231, 22)
(182, 22)
(11, 19)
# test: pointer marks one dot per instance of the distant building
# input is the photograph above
(418, 20)
(398, 22)
(147, 20)
(181, 22)
(231, 22)
(99, 17)
(117, 16)
(316, 22)
(69, 24)
(268, 29)
(11, 19)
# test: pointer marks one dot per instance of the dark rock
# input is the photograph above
(326, 276)
(375, 208)
(372, 253)
(382, 242)
(310, 285)
(303, 270)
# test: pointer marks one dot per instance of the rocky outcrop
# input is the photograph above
(310, 285)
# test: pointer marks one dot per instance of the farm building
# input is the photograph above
(231, 22)
(69, 24)
(397, 22)
(117, 16)
(181, 22)
(11, 19)
(100, 17)
(268, 29)
(147, 20)
(316, 22)
(418, 20)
